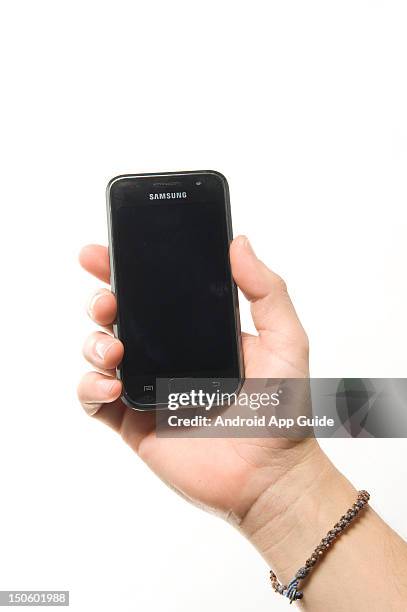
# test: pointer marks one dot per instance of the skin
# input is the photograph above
(282, 495)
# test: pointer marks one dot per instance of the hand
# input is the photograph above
(224, 475)
(282, 495)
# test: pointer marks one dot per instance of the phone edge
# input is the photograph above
(238, 334)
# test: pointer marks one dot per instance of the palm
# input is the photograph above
(216, 472)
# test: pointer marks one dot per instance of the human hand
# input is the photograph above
(283, 495)
(224, 475)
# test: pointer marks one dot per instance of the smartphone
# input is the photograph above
(177, 303)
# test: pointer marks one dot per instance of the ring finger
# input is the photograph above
(103, 351)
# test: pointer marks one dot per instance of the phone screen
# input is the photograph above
(175, 293)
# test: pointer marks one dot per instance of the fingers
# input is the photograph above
(94, 258)
(96, 389)
(271, 306)
(272, 309)
(102, 307)
(98, 393)
(103, 351)
(99, 396)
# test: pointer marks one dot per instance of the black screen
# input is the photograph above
(176, 308)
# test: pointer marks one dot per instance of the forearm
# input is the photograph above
(366, 566)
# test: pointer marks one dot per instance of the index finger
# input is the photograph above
(94, 258)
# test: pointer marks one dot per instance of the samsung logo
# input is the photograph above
(169, 195)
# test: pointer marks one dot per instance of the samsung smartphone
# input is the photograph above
(177, 305)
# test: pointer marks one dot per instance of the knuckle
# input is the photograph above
(280, 284)
(305, 342)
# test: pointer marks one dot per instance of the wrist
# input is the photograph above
(292, 515)
(289, 518)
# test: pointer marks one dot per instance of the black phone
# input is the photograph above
(177, 303)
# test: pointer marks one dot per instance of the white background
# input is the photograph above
(302, 105)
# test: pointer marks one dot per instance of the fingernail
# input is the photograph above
(106, 386)
(92, 409)
(102, 347)
(93, 300)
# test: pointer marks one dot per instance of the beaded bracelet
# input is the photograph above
(291, 589)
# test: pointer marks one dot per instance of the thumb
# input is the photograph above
(272, 309)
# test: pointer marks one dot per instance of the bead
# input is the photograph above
(290, 591)
(302, 572)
